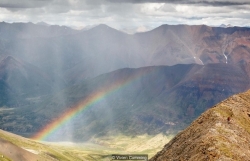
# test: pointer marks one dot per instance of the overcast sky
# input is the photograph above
(127, 13)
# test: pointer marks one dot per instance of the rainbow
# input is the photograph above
(87, 102)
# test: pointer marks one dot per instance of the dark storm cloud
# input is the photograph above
(15, 4)
(198, 2)
(120, 13)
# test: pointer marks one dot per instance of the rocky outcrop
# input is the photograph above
(221, 133)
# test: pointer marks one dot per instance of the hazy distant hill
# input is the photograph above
(11, 31)
(21, 80)
(147, 100)
(212, 136)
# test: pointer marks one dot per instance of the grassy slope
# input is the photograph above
(46, 152)
(97, 149)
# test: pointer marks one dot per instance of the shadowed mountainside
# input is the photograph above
(148, 100)
(213, 136)
(19, 81)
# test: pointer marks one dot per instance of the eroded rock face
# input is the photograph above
(221, 133)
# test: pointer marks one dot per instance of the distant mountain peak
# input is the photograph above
(10, 62)
(102, 27)
(225, 26)
(42, 23)
(9, 59)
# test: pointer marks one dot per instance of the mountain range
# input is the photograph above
(74, 55)
(72, 85)
(70, 56)
(146, 83)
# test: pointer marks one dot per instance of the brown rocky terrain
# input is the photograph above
(220, 133)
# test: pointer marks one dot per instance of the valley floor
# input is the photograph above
(95, 149)
(103, 148)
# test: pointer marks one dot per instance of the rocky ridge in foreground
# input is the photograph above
(220, 133)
